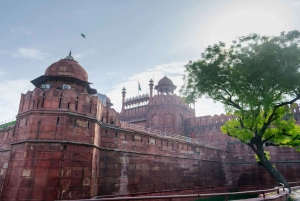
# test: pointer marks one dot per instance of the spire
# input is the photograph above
(69, 57)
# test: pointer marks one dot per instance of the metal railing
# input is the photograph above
(159, 133)
(170, 197)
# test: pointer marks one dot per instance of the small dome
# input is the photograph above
(67, 67)
(165, 85)
(108, 100)
(165, 80)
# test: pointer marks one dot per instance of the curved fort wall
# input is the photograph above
(61, 149)
(52, 146)
(120, 161)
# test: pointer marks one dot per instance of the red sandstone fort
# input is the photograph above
(69, 143)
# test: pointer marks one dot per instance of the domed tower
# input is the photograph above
(165, 85)
(167, 111)
(65, 74)
(53, 147)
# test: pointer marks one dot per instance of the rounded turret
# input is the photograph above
(67, 67)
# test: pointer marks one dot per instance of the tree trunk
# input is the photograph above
(271, 169)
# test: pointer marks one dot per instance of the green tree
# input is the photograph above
(256, 78)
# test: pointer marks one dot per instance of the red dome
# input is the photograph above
(67, 67)
(165, 80)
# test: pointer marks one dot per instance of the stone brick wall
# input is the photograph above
(243, 168)
(108, 159)
(5, 149)
(54, 152)
(133, 162)
(48, 171)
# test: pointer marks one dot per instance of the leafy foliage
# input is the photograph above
(267, 154)
(256, 78)
(188, 99)
(7, 124)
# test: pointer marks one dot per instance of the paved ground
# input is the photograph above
(295, 195)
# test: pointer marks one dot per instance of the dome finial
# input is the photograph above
(69, 57)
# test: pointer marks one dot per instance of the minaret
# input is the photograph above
(123, 99)
(151, 91)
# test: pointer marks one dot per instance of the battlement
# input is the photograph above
(53, 99)
(222, 118)
(158, 133)
(137, 98)
(207, 120)
(171, 99)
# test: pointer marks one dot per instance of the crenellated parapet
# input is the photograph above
(55, 99)
(137, 99)
(57, 114)
(222, 118)
(207, 120)
(171, 99)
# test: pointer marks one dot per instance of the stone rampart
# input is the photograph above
(130, 161)
(133, 161)
(5, 150)
(67, 145)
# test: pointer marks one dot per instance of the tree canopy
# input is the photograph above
(257, 78)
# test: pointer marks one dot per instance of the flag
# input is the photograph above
(139, 86)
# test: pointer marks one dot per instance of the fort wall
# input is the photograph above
(5, 150)
(135, 162)
(129, 161)
(66, 144)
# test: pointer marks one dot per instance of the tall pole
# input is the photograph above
(151, 91)
(123, 99)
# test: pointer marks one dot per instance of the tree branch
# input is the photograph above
(288, 102)
(269, 121)
(269, 138)
(230, 96)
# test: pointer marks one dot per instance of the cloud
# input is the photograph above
(297, 3)
(3, 51)
(22, 30)
(2, 72)
(76, 56)
(10, 93)
(31, 53)
(175, 72)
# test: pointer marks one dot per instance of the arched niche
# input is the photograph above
(154, 120)
(169, 119)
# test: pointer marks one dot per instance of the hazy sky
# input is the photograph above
(126, 40)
